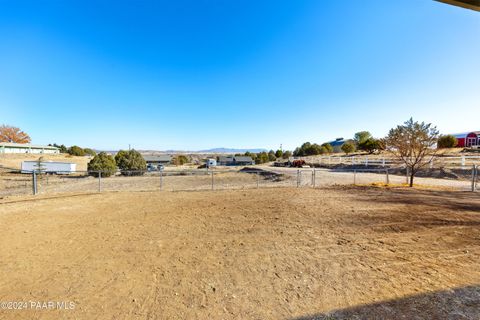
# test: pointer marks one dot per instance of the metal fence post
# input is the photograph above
(298, 178)
(99, 181)
(213, 182)
(34, 182)
(476, 176)
(474, 173)
(387, 176)
(314, 177)
(258, 179)
(354, 177)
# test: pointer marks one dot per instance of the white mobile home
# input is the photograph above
(49, 167)
(10, 147)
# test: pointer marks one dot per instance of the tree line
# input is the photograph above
(74, 150)
(363, 141)
(264, 156)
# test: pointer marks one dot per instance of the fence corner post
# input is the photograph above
(99, 181)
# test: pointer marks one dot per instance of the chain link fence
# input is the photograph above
(14, 182)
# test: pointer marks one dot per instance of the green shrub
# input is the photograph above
(370, 145)
(261, 157)
(271, 156)
(308, 149)
(447, 141)
(76, 151)
(361, 137)
(348, 147)
(102, 162)
(130, 163)
(328, 147)
(61, 148)
(180, 160)
(287, 154)
(90, 152)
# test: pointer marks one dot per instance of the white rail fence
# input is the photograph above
(438, 161)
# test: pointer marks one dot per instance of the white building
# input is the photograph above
(49, 167)
(10, 147)
(211, 163)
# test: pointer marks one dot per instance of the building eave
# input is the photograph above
(467, 4)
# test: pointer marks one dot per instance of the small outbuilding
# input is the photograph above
(468, 139)
(157, 160)
(235, 161)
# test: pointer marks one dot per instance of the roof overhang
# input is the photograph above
(467, 4)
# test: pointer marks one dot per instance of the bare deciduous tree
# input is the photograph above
(414, 144)
(13, 134)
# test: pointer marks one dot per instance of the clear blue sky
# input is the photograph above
(210, 73)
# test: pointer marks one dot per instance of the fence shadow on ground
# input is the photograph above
(457, 303)
(448, 199)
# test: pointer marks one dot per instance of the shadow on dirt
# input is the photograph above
(454, 200)
(433, 209)
(458, 303)
(267, 175)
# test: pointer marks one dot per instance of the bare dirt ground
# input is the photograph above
(285, 253)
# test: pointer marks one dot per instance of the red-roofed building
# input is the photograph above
(468, 139)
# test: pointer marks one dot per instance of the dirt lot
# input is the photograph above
(282, 253)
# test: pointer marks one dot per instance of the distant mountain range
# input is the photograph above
(231, 150)
(214, 150)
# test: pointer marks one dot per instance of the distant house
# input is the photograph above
(10, 147)
(211, 163)
(235, 161)
(337, 144)
(468, 139)
(155, 161)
